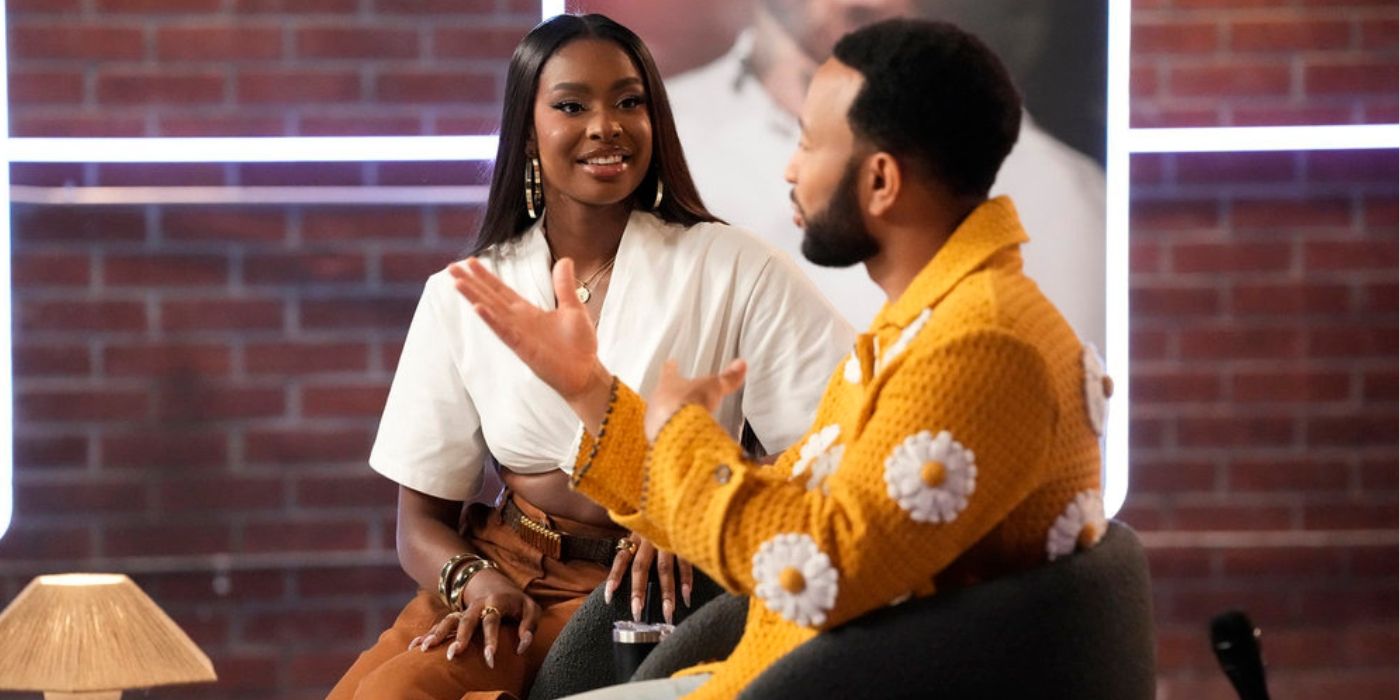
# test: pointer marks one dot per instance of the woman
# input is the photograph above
(587, 129)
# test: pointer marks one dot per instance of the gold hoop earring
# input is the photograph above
(660, 188)
(534, 195)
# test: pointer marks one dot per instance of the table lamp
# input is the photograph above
(90, 636)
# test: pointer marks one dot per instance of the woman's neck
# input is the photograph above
(589, 235)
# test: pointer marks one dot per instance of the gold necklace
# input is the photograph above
(583, 289)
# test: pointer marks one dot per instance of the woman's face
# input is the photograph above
(592, 124)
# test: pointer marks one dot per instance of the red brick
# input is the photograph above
(356, 313)
(166, 447)
(1351, 79)
(290, 87)
(1176, 387)
(167, 538)
(1147, 168)
(158, 270)
(1382, 212)
(437, 173)
(1378, 166)
(301, 174)
(314, 625)
(369, 490)
(160, 174)
(460, 223)
(448, 123)
(1235, 168)
(46, 87)
(1226, 4)
(1175, 214)
(281, 446)
(343, 401)
(1290, 213)
(1380, 111)
(1354, 430)
(1380, 386)
(414, 268)
(19, 8)
(36, 360)
(1236, 431)
(1284, 564)
(208, 401)
(364, 43)
(477, 42)
(1144, 258)
(435, 7)
(47, 174)
(1172, 476)
(300, 7)
(1380, 34)
(1174, 38)
(1149, 344)
(223, 224)
(1147, 433)
(1174, 301)
(1200, 605)
(434, 87)
(91, 499)
(1361, 340)
(295, 536)
(304, 268)
(183, 360)
(197, 587)
(389, 353)
(64, 125)
(1237, 79)
(330, 225)
(76, 42)
(223, 125)
(220, 494)
(159, 6)
(362, 125)
(1292, 34)
(128, 87)
(37, 270)
(1350, 516)
(1296, 387)
(1372, 562)
(1289, 115)
(303, 358)
(81, 316)
(1284, 300)
(1287, 475)
(34, 451)
(1350, 603)
(222, 43)
(221, 314)
(81, 405)
(1232, 516)
(1236, 256)
(54, 542)
(78, 224)
(361, 581)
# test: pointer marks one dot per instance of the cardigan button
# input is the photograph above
(722, 474)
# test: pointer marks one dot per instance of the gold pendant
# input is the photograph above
(583, 294)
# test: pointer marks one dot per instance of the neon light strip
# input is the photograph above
(1264, 138)
(7, 377)
(550, 8)
(1115, 475)
(348, 196)
(278, 149)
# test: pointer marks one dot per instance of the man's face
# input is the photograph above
(824, 172)
(816, 24)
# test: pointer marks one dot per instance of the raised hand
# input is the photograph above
(560, 346)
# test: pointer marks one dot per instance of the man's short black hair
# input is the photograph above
(935, 95)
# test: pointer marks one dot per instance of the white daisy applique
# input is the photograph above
(931, 477)
(852, 372)
(902, 343)
(817, 458)
(795, 579)
(1080, 526)
(1098, 388)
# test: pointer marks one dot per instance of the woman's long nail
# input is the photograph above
(608, 589)
(668, 609)
(685, 594)
(490, 654)
(428, 641)
(525, 640)
(452, 649)
(636, 608)
(414, 642)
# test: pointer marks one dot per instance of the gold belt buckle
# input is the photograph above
(542, 538)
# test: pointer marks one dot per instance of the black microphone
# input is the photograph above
(1236, 643)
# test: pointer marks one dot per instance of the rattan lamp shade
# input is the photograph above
(79, 633)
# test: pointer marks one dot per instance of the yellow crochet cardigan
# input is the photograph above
(957, 443)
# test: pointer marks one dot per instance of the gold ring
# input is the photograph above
(626, 545)
(490, 610)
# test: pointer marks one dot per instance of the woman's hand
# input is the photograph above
(560, 346)
(639, 556)
(490, 596)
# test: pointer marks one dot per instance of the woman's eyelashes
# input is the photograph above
(630, 102)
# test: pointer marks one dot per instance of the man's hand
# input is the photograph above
(674, 391)
(559, 346)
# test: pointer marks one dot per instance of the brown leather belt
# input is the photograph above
(556, 544)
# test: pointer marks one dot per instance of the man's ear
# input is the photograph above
(885, 182)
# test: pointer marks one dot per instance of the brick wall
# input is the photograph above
(197, 386)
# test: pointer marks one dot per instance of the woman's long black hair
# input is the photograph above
(505, 217)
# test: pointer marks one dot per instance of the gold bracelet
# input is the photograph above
(445, 576)
(464, 576)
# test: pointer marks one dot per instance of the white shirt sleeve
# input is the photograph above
(430, 435)
(792, 339)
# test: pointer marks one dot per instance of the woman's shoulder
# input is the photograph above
(719, 240)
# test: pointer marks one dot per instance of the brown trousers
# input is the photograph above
(390, 670)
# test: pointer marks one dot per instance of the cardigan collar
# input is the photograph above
(991, 228)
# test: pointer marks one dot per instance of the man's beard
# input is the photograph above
(837, 236)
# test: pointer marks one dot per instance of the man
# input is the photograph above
(956, 443)
(737, 121)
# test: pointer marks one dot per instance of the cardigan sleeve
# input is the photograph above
(956, 441)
